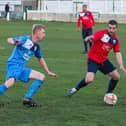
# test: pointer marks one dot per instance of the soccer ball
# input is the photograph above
(110, 99)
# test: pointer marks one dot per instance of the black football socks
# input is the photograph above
(81, 84)
(112, 85)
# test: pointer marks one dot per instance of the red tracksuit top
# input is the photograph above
(87, 20)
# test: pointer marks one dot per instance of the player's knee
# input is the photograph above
(10, 82)
(42, 77)
(117, 77)
(89, 80)
(89, 77)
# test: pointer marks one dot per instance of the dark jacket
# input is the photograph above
(7, 8)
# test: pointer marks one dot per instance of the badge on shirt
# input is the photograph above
(87, 14)
(114, 41)
(35, 48)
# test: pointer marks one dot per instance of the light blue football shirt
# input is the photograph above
(23, 52)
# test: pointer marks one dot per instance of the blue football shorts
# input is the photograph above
(18, 72)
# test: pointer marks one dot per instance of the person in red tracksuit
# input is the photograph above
(103, 42)
(88, 24)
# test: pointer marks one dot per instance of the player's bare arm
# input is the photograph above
(89, 38)
(79, 29)
(11, 41)
(93, 28)
(120, 61)
(45, 67)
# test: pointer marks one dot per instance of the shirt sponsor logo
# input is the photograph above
(106, 47)
(29, 52)
(26, 56)
(85, 18)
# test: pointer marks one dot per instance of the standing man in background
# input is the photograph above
(88, 24)
(7, 9)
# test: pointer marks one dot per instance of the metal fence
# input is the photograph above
(12, 15)
(108, 6)
(102, 6)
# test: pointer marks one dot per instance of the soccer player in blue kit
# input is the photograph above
(25, 48)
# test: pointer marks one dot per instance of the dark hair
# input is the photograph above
(37, 27)
(84, 5)
(113, 22)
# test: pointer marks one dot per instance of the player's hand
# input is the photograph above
(89, 39)
(93, 28)
(79, 29)
(52, 74)
(122, 69)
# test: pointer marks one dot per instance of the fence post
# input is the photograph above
(8, 16)
(24, 16)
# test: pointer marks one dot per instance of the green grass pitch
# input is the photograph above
(62, 50)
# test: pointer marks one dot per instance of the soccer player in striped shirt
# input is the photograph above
(104, 41)
(25, 48)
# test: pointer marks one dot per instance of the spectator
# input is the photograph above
(7, 9)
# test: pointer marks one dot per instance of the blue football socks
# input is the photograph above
(3, 88)
(33, 89)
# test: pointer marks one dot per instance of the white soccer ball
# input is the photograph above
(110, 99)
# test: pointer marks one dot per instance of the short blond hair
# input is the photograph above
(37, 27)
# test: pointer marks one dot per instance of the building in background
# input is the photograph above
(65, 6)
(30, 4)
(17, 7)
(67, 10)
(64, 10)
(103, 6)
(56, 6)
